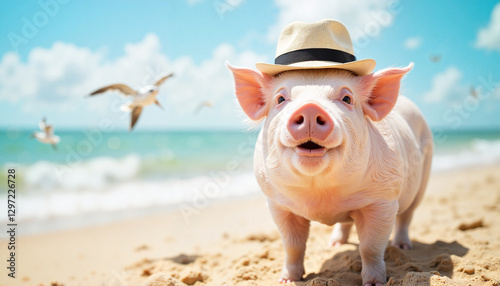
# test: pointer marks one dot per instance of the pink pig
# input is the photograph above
(338, 145)
(339, 149)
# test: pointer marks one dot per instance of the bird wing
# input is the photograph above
(202, 104)
(136, 112)
(163, 79)
(158, 103)
(42, 124)
(122, 88)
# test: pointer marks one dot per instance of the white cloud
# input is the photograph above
(363, 19)
(489, 38)
(446, 85)
(65, 71)
(59, 77)
(413, 43)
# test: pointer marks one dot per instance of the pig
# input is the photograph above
(340, 149)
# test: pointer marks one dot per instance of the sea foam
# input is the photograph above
(94, 173)
(477, 153)
(132, 195)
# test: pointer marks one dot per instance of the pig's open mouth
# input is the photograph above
(310, 149)
(310, 145)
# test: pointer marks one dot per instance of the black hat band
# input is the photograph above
(319, 54)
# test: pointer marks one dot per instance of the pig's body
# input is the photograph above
(337, 149)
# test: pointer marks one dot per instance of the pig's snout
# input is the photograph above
(310, 121)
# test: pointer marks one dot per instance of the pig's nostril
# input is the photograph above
(320, 120)
(300, 120)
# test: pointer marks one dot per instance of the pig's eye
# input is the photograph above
(281, 99)
(347, 99)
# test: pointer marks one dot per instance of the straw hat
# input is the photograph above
(321, 45)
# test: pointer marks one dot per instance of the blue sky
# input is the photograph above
(53, 53)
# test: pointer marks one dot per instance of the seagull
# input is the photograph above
(435, 58)
(206, 103)
(473, 91)
(47, 135)
(143, 97)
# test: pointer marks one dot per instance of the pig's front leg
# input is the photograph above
(294, 231)
(374, 224)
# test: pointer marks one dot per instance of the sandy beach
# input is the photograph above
(454, 232)
(129, 129)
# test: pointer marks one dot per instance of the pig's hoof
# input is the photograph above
(337, 240)
(401, 240)
(336, 243)
(340, 234)
(374, 284)
(291, 274)
(286, 281)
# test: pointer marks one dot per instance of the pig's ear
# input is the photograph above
(248, 86)
(382, 90)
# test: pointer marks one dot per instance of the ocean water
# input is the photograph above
(95, 176)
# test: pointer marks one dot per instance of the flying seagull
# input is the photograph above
(435, 58)
(47, 135)
(201, 105)
(473, 91)
(143, 97)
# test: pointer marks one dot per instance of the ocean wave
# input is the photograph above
(477, 153)
(192, 194)
(94, 173)
(105, 185)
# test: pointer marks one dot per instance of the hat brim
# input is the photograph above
(361, 67)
